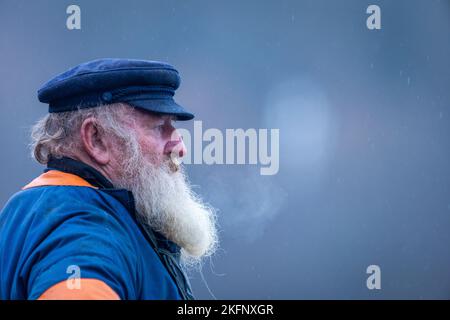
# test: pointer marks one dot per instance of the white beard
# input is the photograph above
(165, 202)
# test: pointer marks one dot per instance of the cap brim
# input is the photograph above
(163, 106)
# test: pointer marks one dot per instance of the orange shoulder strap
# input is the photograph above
(89, 289)
(58, 178)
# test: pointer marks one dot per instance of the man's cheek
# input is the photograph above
(156, 159)
(152, 152)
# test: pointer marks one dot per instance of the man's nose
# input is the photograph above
(176, 148)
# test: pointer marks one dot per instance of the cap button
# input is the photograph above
(107, 96)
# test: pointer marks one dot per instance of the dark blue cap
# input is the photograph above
(148, 85)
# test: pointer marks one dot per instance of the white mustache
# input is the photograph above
(174, 163)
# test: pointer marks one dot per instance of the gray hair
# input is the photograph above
(58, 134)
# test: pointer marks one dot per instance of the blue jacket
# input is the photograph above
(70, 223)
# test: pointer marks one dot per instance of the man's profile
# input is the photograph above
(113, 200)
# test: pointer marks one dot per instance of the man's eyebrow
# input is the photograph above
(164, 118)
(171, 117)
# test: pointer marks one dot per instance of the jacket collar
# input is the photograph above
(80, 169)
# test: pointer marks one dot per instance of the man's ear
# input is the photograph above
(94, 141)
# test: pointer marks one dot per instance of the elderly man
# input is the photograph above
(112, 216)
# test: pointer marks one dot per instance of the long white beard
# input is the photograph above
(165, 201)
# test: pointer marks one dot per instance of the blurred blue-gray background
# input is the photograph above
(364, 119)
